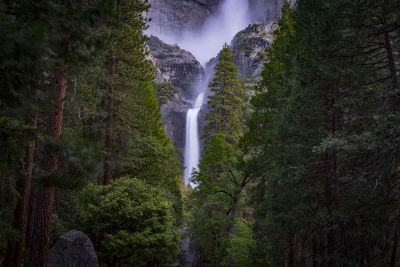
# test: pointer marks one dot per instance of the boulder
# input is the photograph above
(73, 249)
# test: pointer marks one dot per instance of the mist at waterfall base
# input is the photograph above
(232, 16)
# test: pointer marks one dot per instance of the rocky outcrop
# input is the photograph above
(180, 69)
(249, 48)
(176, 16)
(174, 119)
(174, 65)
(73, 249)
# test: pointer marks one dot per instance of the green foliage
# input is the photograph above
(79, 162)
(225, 114)
(316, 139)
(239, 246)
(20, 68)
(165, 92)
(140, 146)
(130, 223)
(36, 37)
(220, 179)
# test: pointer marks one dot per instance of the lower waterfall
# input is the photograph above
(192, 142)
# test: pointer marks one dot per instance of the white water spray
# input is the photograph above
(231, 17)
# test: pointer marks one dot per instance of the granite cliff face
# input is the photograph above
(265, 10)
(176, 16)
(177, 70)
(249, 48)
(174, 65)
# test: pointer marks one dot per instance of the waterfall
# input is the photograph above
(192, 144)
(205, 44)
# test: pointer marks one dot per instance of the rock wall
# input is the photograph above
(265, 10)
(182, 70)
(174, 65)
(176, 16)
(249, 48)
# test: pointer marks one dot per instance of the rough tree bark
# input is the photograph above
(393, 258)
(15, 248)
(39, 248)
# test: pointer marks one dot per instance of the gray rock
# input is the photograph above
(181, 69)
(176, 16)
(73, 249)
(265, 10)
(174, 119)
(249, 48)
(174, 65)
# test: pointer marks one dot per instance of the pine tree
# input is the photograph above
(220, 179)
(225, 115)
(326, 184)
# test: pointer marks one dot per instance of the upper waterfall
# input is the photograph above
(231, 17)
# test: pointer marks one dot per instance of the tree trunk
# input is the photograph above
(39, 248)
(15, 248)
(315, 252)
(393, 259)
(290, 252)
(108, 131)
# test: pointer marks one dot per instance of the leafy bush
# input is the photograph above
(129, 223)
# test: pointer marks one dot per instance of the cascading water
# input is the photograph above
(231, 18)
(192, 144)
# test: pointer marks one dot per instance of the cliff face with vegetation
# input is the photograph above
(249, 47)
(176, 71)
